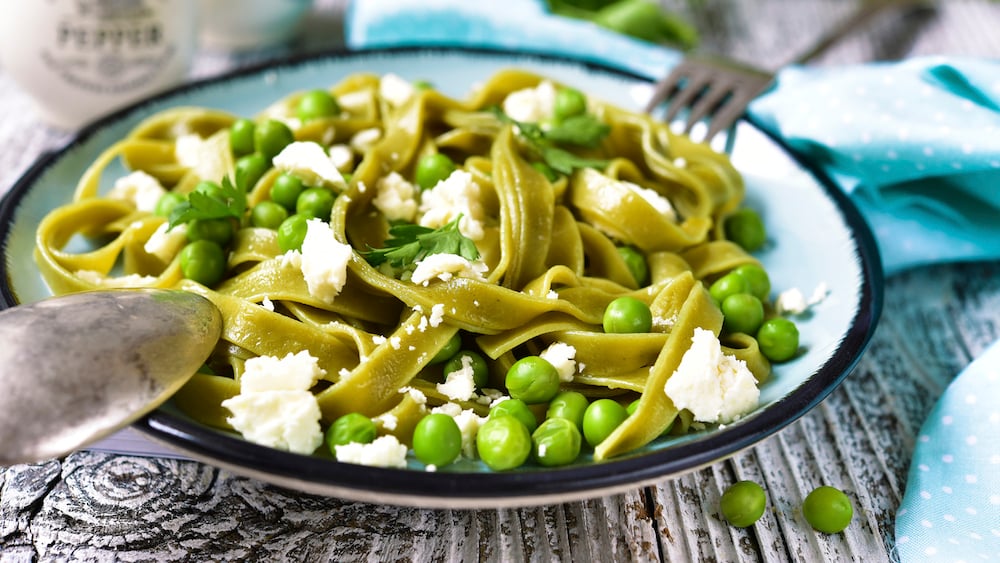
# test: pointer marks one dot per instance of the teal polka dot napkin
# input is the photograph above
(951, 511)
(916, 145)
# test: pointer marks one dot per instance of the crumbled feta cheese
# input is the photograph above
(164, 243)
(267, 304)
(355, 102)
(394, 89)
(561, 355)
(384, 451)
(309, 162)
(364, 140)
(460, 384)
(387, 420)
(138, 188)
(446, 266)
(715, 387)
(531, 104)
(188, 150)
(274, 407)
(396, 198)
(793, 301)
(294, 372)
(437, 315)
(286, 420)
(468, 423)
(324, 261)
(342, 157)
(416, 394)
(458, 194)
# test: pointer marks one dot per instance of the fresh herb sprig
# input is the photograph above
(581, 130)
(408, 244)
(229, 202)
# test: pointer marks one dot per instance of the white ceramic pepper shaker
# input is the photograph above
(80, 59)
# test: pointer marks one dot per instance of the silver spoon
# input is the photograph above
(74, 369)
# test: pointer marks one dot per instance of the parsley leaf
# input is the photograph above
(581, 130)
(229, 202)
(408, 244)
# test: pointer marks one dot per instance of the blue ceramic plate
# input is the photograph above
(816, 237)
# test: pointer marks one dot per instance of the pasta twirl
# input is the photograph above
(547, 201)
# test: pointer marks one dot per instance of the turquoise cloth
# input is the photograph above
(915, 143)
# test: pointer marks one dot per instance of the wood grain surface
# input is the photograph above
(98, 507)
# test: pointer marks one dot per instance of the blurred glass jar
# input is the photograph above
(243, 25)
(80, 59)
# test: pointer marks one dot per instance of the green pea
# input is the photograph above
(449, 349)
(601, 418)
(241, 134)
(636, 264)
(746, 228)
(778, 339)
(517, 409)
(316, 104)
(292, 232)
(251, 168)
(568, 103)
(533, 380)
(480, 369)
(423, 84)
(828, 510)
(437, 439)
(268, 214)
(167, 203)
(556, 442)
(219, 231)
(431, 169)
(569, 405)
(546, 170)
(270, 137)
(627, 315)
(203, 261)
(743, 503)
(285, 190)
(742, 313)
(315, 202)
(351, 428)
(503, 443)
(729, 284)
(757, 279)
(211, 189)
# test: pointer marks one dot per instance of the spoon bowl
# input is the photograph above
(76, 368)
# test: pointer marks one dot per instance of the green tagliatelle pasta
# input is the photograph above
(549, 244)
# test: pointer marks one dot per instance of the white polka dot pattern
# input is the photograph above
(951, 510)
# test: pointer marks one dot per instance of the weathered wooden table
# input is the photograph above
(95, 506)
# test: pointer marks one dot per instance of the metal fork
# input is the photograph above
(720, 89)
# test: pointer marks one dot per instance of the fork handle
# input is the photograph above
(867, 11)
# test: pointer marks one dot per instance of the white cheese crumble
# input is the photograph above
(468, 423)
(416, 394)
(715, 387)
(561, 356)
(342, 157)
(793, 301)
(458, 194)
(459, 385)
(323, 261)
(274, 407)
(394, 89)
(363, 141)
(384, 451)
(396, 198)
(165, 244)
(138, 188)
(309, 162)
(531, 104)
(445, 267)
(267, 304)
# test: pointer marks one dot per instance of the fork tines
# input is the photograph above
(710, 88)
